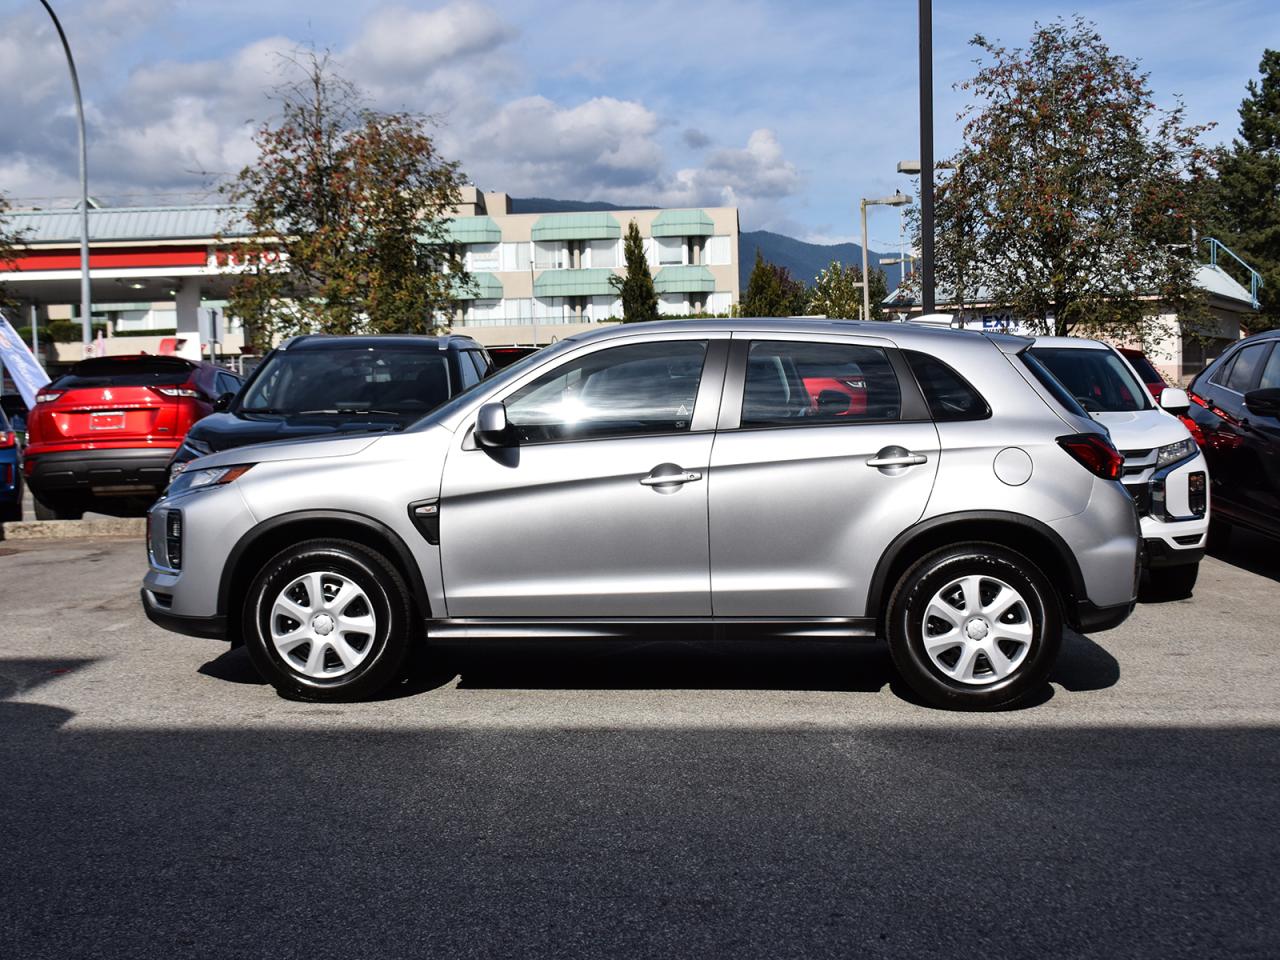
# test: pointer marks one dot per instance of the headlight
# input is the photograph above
(210, 477)
(1173, 452)
(198, 447)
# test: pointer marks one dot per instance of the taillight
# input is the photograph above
(1095, 454)
(47, 397)
(8, 440)
(178, 391)
(1196, 398)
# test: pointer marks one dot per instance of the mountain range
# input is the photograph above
(804, 260)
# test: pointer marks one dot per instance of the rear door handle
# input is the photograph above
(655, 481)
(905, 459)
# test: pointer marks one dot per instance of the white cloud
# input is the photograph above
(413, 43)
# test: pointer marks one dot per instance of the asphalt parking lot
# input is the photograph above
(657, 800)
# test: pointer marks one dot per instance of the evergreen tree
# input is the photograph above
(8, 251)
(639, 299)
(772, 291)
(1248, 189)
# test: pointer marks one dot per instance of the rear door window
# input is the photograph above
(797, 383)
(1244, 374)
(1271, 372)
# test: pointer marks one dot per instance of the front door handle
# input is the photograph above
(662, 479)
(897, 457)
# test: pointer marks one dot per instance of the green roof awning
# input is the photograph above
(574, 283)
(683, 223)
(684, 280)
(577, 226)
(472, 230)
(484, 286)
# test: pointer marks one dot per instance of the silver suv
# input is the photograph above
(790, 478)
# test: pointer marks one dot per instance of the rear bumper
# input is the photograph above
(123, 471)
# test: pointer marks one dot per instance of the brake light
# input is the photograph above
(1095, 454)
(178, 391)
(47, 397)
(8, 440)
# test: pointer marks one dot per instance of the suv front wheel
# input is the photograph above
(328, 620)
(974, 627)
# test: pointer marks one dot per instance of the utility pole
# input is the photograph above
(86, 318)
(926, 156)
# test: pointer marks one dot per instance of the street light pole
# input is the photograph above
(85, 306)
(926, 156)
(897, 200)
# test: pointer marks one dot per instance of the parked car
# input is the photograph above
(14, 407)
(1236, 408)
(1151, 378)
(505, 356)
(100, 437)
(324, 385)
(665, 477)
(10, 471)
(1164, 470)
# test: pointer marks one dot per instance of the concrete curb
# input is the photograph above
(74, 529)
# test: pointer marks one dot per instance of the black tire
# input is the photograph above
(1219, 534)
(388, 600)
(58, 511)
(1041, 612)
(1170, 583)
(11, 512)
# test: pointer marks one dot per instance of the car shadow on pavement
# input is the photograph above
(926, 840)
(1249, 551)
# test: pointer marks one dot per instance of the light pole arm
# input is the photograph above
(86, 318)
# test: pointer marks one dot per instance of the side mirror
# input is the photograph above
(492, 429)
(1174, 400)
(1264, 403)
(223, 402)
(833, 403)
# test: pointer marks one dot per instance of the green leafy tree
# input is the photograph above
(348, 209)
(9, 241)
(1247, 214)
(837, 292)
(1074, 199)
(639, 298)
(772, 291)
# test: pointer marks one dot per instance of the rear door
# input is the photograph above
(807, 492)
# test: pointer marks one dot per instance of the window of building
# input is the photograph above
(673, 305)
(794, 383)
(484, 313)
(551, 310)
(719, 302)
(716, 251)
(601, 253)
(635, 390)
(598, 309)
(483, 256)
(550, 255)
(515, 256)
(671, 251)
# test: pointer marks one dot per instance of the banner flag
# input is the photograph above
(24, 368)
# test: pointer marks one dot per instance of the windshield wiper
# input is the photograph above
(261, 410)
(337, 410)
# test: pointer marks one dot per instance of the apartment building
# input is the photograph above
(543, 276)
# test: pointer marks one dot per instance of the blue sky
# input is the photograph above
(791, 111)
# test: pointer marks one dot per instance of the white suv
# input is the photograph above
(1164, 470)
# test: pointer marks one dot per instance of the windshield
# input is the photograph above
(1097, 379)
(335, 380)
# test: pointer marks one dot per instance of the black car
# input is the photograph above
(317, 385)
(1236, 411)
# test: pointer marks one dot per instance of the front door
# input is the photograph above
(817, 472)
(599, 508)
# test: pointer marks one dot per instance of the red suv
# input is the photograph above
(100, 437)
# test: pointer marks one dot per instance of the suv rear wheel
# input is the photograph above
(974, 627)
(328, 620)
(58, 510)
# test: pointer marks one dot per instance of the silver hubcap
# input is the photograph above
(322, 625)
(977, 630)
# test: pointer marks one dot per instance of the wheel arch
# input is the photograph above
(271, 536)
(1029, 537)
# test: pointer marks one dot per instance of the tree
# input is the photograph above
(837, 292)
(9, 241)
(639, 298)
(348, 209)
(1074, 199)
(1247, 215)
(772, 291)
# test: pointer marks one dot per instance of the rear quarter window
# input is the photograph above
(950, 396)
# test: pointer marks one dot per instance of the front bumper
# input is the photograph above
(1173, 532)
(158, 608)
(111, 472)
